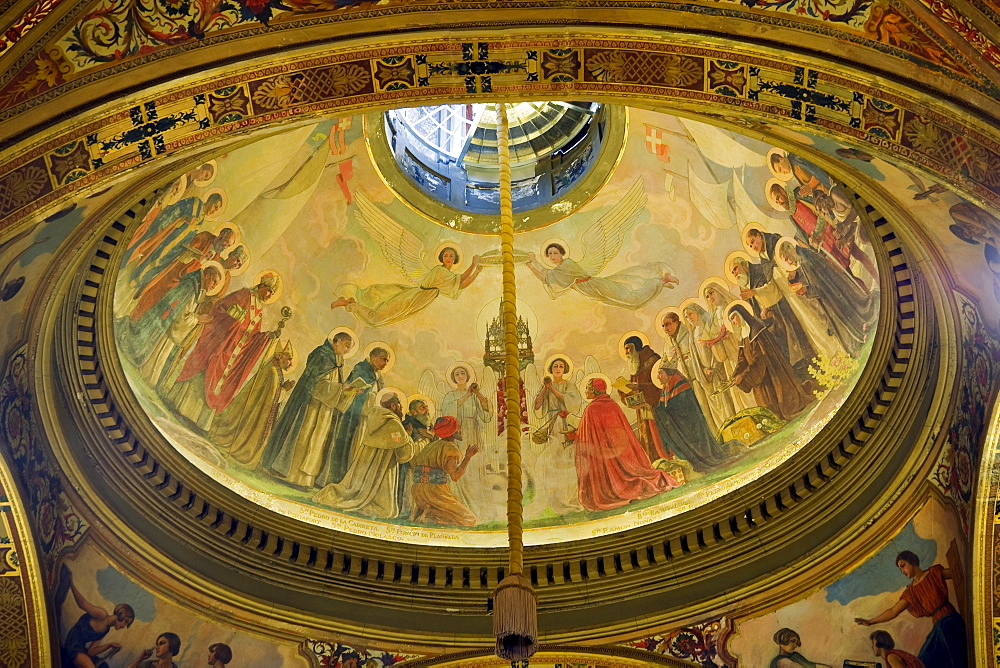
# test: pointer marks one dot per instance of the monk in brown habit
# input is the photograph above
(762, 369)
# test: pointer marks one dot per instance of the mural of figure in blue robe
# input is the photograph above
(82, 645)
(146, 332)
(302, 430)
(166, 237)
(682, 425)
(366, 370)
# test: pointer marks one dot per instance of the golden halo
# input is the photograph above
(656, 377)
(688, 302)
(455, 247)
(451, 369)
(770, 198)
(237, 233)
(246, 263)
(222, 277)
(176, 191)
(741, 302)
(559, 356)
(355, 341)
(591, 376)
(225, 201)
(621, 341)
(777, 175)
(779, 260)
(548, 242)
(658, 319)
(394, 390)
(281, 284)
(382, 344)
(424, 398)
(729, 265)
(215, 171)
(743, 237)
(714, 280)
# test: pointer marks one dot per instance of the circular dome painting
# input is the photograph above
(306, 338)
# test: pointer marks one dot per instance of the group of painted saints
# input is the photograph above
(750, 340)
(744, 346)
(197, 342)
(368, 450)
(744, 343)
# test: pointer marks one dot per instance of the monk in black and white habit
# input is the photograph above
(369, 487)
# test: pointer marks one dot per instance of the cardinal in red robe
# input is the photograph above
(612, 466)
(807, 220)
(231, 343)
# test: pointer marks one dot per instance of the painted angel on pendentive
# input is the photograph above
(388, 303)
(630, 288)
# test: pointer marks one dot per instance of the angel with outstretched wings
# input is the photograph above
(388, 303)
(631, 288)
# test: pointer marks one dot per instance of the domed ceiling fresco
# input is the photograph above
(688, 321)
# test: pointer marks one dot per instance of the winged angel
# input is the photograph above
(388, 303)
(631, 288)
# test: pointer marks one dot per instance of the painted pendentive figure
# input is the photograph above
(884, 647)
(168, 645)
(82, 647)
(219, 655)
(927, 596)
(788, 642)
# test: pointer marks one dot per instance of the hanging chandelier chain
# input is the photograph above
(512, 376)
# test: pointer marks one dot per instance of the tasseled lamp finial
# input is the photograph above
(515, 620)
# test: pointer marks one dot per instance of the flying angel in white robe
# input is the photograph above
(631, 288)
(388, 303)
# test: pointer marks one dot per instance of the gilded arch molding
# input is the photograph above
(729, 82)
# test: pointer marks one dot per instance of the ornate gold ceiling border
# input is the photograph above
(855, 108)
(40, 74)
(690, 559)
